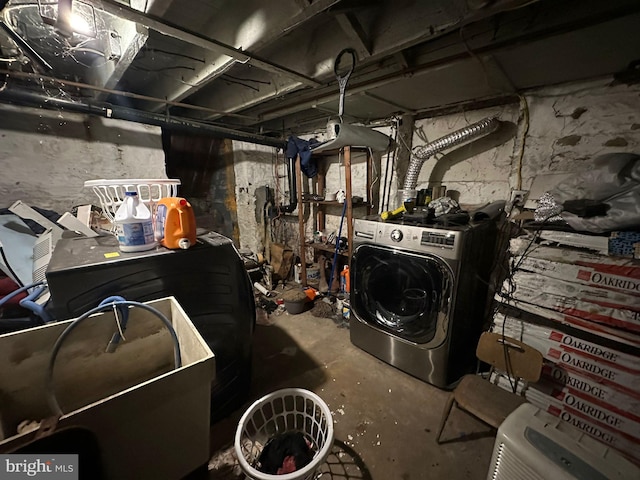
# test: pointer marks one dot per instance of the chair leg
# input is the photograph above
(445, 415)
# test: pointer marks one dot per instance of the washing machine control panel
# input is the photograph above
(439, 239)
(444, 242)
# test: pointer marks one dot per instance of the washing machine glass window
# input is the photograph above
(401, 295)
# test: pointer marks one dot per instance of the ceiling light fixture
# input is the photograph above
(69, 17)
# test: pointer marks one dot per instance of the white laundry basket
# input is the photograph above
(287, 410)
(111, 193)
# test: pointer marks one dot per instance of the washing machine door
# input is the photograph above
(405, 294)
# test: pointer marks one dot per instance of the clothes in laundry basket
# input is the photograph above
(285, 453)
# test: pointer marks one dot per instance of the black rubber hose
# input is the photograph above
(49, 390)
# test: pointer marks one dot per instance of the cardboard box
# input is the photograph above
(614, 317)
(620, 417)
(611, 436)
(621, 441)
(557, 381)
(571, 290)
(625, 267)
(589, 360)
(547, 340)
(623, 279)
(605, 331)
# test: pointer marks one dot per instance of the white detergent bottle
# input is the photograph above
(134, 225)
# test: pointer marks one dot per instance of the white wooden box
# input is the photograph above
(151, 421)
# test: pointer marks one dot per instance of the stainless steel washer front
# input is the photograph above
(405, 300)
(404, 294)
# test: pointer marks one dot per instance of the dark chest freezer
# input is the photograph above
(208, 280)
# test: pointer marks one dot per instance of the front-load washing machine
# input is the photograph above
(419, 295)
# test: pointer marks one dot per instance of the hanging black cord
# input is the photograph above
(514, 268)
(386, 173)
(393, 164)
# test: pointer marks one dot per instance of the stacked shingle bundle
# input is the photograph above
(582, 312)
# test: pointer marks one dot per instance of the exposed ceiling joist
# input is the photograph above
(195, 64)
(306, 100)
(401, 108)
(401, 58)
(355, 32)
(194, 38)
(44, 80)
(403, 36)
(210, 72)
(124, 62)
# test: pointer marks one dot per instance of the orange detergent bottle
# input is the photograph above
(345, 281)
(175, 223)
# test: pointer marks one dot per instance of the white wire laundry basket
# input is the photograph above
(287, 410)
(111, 192)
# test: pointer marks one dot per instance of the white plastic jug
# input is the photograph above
(134, 225)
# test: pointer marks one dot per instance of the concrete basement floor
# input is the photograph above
(384, 420)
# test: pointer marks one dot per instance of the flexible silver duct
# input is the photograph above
(475, 130)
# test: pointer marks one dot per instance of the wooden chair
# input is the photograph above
(483, 399)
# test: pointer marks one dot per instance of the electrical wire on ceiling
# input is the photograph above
(71, 51)
(146, 49)
(163, 69)
(41, 79)
(244, 81)
(174, 54)
(263, 82)
(73, 57)
(163, 72)
(229, 81)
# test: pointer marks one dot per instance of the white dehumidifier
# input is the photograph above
(534, 445)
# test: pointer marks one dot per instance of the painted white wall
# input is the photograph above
(335, 181)
(254, 166)
(568, 126)
(48, 155)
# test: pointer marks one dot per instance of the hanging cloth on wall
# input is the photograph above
(298, 146)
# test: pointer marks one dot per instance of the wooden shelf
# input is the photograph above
(336, 203)
(323, 205)
(327, 248)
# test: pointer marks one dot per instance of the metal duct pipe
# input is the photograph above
(475, 130)
(122, 113)
(293, 192)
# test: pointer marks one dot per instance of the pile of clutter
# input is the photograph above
(278, 289)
